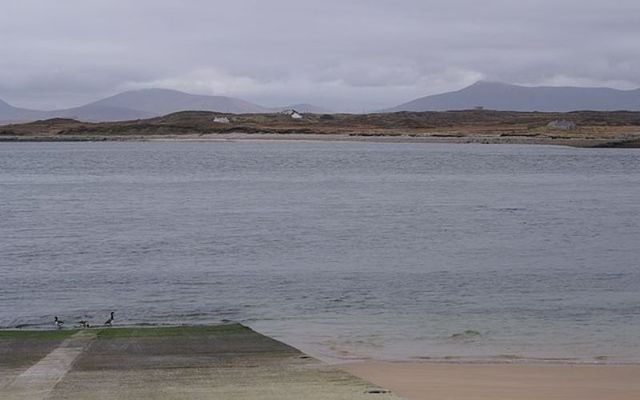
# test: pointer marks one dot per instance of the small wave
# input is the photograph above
(23, 326)
(191, 315)
(508, 357)
(467, 335)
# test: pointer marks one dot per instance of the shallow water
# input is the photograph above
(345, 250)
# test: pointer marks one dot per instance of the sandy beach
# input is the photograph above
(419, 380)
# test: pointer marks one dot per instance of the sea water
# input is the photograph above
(345, 250)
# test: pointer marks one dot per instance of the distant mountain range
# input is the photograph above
(10, 113)
(146, 103)
(505, 97)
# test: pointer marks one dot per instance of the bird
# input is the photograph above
(110, 320)
(58, 322)
(84, 324)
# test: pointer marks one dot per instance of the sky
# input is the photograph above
(344, 55)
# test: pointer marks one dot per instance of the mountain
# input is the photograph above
(97, 113)
(164, 101)
(146, 103)
(88, 113)
(9, 113)
(132, 105)
(4, 106)
(505, 97)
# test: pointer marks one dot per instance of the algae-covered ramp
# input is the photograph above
(209, 362)
(21, 350)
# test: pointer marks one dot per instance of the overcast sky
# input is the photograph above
(349, 55)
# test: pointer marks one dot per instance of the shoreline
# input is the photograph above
(350, 350)
(334, 357)
(491, 361)
(215, 361)
(496, 360)
(587, 128)
(338, 360)
(627, 142)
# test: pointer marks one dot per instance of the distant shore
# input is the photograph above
(578, 129)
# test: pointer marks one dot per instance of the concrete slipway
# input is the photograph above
(203, 362)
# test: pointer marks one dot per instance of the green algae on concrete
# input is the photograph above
(18, 334)
(227, 329)
(120, 332)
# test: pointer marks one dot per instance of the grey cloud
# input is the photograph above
(340, 54)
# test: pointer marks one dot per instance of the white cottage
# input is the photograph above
(293, 114)
(221, 120)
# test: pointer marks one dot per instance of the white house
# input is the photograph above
(221, 120)
(293, 114)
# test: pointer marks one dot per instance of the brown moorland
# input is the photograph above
(592, 128)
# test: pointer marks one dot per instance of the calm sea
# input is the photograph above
(346, 250)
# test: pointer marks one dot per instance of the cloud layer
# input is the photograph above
(349, 55)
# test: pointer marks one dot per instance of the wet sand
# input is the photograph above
(418, 380)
